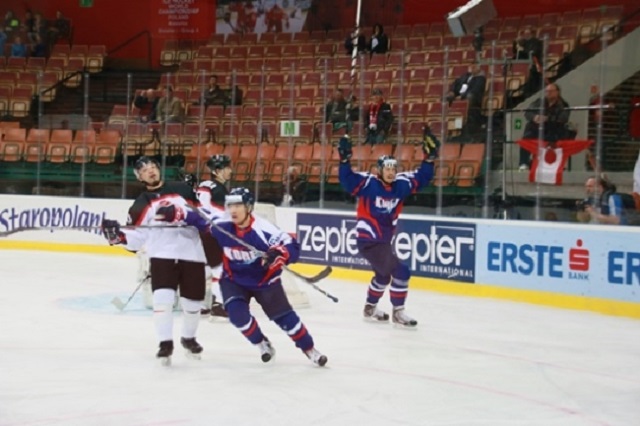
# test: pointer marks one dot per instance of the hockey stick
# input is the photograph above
(77, 228)
(119, 304)
(311, 280)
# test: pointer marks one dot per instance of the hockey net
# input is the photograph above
(297, 297)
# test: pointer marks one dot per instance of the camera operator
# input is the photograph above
(602, 204)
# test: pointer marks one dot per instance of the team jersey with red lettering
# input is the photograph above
(163, 242)
(241, 264)
(379, 204)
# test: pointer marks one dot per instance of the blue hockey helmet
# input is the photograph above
(387, 161)
(240, 195)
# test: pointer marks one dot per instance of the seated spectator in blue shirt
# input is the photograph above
(18, 48)
(3, 39)
(38, 48)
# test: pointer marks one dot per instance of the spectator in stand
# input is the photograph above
(40, 26)
(29, 21)
(470, 86)
(214, 95)
(555, 116)
(602, 203)
(340, 113)
(361, 43)
(378, 118)
(18, 48)
(275, 17)
(379, 42)
(529, 47)
(30, 26)
(294, 188)
(11, 23)
(38, 48)
(61, 28)
(169, 109)
(3, 41)
(147, 104)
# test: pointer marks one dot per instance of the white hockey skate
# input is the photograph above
(267, 352)
(165, 352)
(373, 314)
(402, 320)
(193, 349)
(316, 357)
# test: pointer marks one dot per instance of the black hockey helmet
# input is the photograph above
(218, 161)
(143, 161)
(240, 195)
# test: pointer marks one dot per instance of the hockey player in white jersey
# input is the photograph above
(211, 193)
(177, 258)
(255, 251)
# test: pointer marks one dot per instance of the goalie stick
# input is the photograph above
(77, 228)
(311, 280)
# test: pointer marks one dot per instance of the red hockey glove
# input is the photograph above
(111, 231)
(275, 258)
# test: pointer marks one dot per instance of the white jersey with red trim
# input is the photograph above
(181, 243)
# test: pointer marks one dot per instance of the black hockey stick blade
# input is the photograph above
(314, 278)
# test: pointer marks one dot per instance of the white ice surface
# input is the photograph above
(68, 357)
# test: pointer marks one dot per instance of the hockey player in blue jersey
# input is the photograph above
(252, 273)
(380, 201)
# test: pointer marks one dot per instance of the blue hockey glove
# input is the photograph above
(111, 231)
(430, 144)
(344, 149)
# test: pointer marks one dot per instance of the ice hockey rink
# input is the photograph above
(68, 357)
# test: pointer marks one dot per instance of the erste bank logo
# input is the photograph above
(539, 260)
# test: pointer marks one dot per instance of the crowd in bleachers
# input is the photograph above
(281, 76)
(32, 45)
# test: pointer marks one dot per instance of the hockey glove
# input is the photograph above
(275, 258)
(430, 145)
(344, 149)
(170, 213)
(111, 231)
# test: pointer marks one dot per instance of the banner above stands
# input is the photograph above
(591, 264)
(181, 19)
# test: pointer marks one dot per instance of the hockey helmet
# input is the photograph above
(218, 161)
(240, 195)
(144, 161)
(386, 161)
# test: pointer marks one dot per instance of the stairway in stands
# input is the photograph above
(104, 90)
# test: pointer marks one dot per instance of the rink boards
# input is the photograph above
(589, 267)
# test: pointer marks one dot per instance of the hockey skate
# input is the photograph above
(316, 357)
(402, 320)
(373, 314)
(165, 352)
(267, 353)
(217, 310)
(192, 347)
